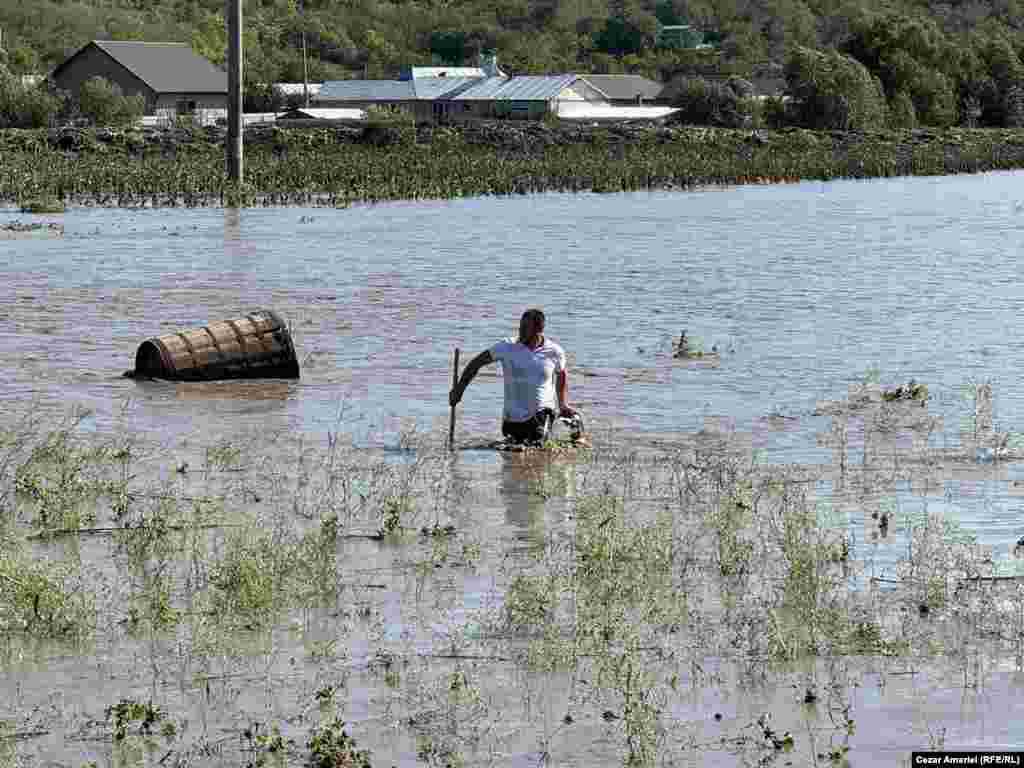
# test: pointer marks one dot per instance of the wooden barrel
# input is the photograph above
(255, 346)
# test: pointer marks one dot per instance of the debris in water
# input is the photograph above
(912, 391)
(258, 345)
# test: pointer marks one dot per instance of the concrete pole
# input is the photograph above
(234, 144)
(305, 67)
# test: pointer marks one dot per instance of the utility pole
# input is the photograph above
(234, 145)
(305, 67)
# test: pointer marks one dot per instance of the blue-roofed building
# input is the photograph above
(526, 97)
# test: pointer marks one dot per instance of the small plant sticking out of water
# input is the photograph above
(331, 747)
(245, 578)
(152, 607)
(127, 712)
(623, 673)
(325, 699)
(265, 748)
(438, 755)
(732, 516)
(223, 456)
(865, 638)
(8, 752)
(61, 482)
(912, 391)
(939, 551)
(42, 597)
(438, 531)
(530, 601)
(316, 564)
(461, 691)
(391, 517)
(147, 534)
(778, 741)
(835, 755)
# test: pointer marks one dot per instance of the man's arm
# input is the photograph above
(563, 394)
(478, 362)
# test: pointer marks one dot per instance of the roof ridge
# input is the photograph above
(138, 42)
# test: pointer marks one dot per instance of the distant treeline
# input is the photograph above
(846, 63)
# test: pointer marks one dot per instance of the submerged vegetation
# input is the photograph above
(337, 167)
(646, 576)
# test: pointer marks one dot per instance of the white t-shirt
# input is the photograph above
(529, 376)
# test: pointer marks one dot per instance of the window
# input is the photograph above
(186, 107)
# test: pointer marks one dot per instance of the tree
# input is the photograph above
(619, 37)
(901, 111)
(24, 60)
(833, 91)
(449, 47)
(103, 103)
(26, 107)
(668, 14)
(703, 102)
(930, 91)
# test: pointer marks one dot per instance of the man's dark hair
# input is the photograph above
(530, 316)
(535, 315)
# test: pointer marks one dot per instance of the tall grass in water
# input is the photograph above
(648, 577)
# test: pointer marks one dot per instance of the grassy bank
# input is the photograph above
(336, 167)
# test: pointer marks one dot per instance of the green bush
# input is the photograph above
(388, 125)
(773, 112)
(930, 91)
(1003, 74)
(901, 111)
(26, 106)
(831, 91)
(1013, 106)
(103, 103)
(703, 102)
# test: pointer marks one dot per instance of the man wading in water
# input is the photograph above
(535, 375)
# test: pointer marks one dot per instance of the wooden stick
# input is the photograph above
(451, 421)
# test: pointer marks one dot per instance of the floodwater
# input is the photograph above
(804, 289)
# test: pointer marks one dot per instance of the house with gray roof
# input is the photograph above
(432, 97)
(453, 99)
(628, 89)
(170, 76)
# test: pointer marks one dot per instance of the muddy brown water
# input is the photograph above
(804, 289)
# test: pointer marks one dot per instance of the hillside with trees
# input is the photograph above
(848, 64)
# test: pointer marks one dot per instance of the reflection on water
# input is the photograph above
(235, 390)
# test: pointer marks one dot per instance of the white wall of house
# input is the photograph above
(200, 100)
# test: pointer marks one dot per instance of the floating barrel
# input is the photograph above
(255, 346)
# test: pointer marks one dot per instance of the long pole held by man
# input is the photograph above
(451, 420)
(234, 143)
